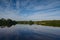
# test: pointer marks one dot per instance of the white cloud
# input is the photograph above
(42, 7)
(44, 16)
(14, 14)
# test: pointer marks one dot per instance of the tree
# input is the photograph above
(31, 22)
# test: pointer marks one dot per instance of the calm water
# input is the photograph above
(30, 32)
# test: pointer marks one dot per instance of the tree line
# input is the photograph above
(45, 22)
(7, 22)
(51, 23)
(25, 22)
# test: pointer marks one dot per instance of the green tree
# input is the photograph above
(31, 22)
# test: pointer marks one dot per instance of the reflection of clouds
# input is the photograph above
(31, 32)
(38, 29)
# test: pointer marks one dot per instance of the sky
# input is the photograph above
(30, 9)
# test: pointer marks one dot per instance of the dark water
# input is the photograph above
(30, 32)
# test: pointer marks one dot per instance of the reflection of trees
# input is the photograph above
(8, 22)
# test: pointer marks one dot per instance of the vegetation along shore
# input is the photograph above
(9, 22)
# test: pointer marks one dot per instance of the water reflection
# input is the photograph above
(10, 25)
(3, 26)
(30, 32)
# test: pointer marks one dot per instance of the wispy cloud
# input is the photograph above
(30, 9)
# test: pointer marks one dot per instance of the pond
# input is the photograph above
(29, 32)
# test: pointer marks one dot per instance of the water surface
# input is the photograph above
(30, 32)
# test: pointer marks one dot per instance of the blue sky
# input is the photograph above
(30, 9)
